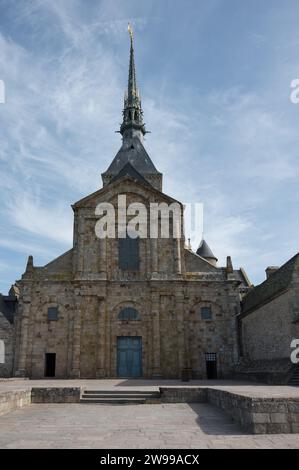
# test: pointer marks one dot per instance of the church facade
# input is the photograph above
(122, 307)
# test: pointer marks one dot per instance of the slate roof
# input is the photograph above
(205, 251)
(129, 170)
(277, 282)
(132, 151)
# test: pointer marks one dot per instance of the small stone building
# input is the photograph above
(123, 307)
(269, 322)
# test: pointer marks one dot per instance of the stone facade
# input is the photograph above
(87, 288)
(269, 321)
(89, 291)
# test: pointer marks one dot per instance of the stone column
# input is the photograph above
(101, 340)
(21, 370)
(180, 333)
(103, 257)
(107, 327)
(156, 335)
(177, 250)
(154, 256)
(75, 371)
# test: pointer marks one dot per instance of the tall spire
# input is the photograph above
(132, 159)
(132, 124)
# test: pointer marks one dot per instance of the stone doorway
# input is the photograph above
(129, 356)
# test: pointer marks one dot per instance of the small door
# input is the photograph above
(211, 365)
(50, 364)
(129, 356)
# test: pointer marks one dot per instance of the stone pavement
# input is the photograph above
(244, 388)
(194, 426)
(168, 425)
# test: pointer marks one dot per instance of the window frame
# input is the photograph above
(128, 314)
(51, 318)
(129, 246)
(202, 315)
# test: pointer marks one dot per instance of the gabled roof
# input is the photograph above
(277, 282)
(129, 170)
(117, 181)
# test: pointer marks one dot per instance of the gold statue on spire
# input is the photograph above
(130, 31)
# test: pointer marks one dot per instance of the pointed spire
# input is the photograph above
(132, 87)
(205, 252)
(132, 124)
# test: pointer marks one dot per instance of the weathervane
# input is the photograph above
(130, 31)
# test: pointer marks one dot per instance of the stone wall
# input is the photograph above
(258, 415)
(55, 394)
(84, 338)
(268, 331)
(12, 400)
(183, 395)
(254, 415)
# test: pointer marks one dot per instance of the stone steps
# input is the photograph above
(119, 397)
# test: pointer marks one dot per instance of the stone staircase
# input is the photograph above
(294, 379)
(122, 397)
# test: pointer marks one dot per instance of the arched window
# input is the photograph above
(2, 352)
(128, 314)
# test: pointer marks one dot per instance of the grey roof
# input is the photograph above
(129, 170)
(275, 284)
(132, 151)
(205, 251)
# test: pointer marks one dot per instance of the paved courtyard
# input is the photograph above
(244, 388)
(197, 426)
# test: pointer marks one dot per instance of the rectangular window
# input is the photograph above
(128, 253)
(53, 313)
(206, 313)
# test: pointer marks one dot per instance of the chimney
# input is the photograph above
(270, 270)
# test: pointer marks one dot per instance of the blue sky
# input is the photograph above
(215, 83)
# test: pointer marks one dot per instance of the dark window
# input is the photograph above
(50, 364)
(53, 313)
(128, 314)
(211, 365)
(128, 253)
(206, 313)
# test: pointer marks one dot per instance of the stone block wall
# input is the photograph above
(12, 400)
(55, 394)
(268, 331)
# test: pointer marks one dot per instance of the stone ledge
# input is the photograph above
(13, 400)
(55, 394)
(255, 415)
(182, 395)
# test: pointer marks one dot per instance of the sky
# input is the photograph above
(215, 80)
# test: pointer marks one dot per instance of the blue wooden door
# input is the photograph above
(129, 356)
